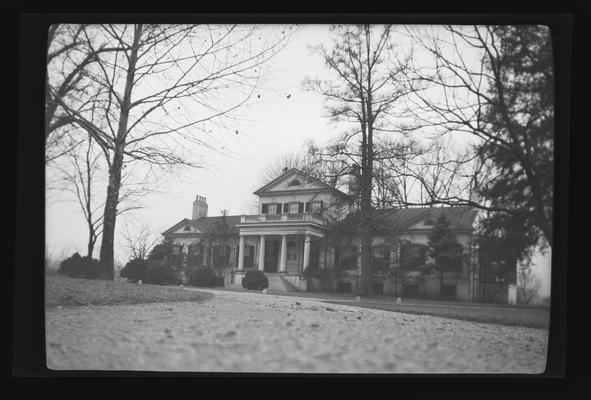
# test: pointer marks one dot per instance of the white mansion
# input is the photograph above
(291, 235)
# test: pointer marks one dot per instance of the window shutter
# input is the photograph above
(265, 208)
(308, 205)
(285, 207)
(301, 208)
(321, 205)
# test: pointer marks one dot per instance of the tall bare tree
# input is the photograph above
(69, 59)
(162, 92)
(493, 86)
(81, 173)
(369, 82)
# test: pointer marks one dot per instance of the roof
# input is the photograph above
(460, 218)
(311, 178)
(205, 224)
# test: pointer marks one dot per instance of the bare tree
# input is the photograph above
(69, 59)
(369, 82)
(81, 174)
(164, 91)
(140, 242)
(493, 86)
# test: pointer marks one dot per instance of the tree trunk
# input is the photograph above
(110, 215)
(91, 241)
(367, 176)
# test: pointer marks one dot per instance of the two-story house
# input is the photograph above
(295, 231)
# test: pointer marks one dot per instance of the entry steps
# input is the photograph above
(277, 284)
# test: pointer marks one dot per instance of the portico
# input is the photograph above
(282, 245)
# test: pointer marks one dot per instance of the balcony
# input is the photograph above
(282, 218)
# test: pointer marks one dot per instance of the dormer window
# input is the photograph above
(295, 182)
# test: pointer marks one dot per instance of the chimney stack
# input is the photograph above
(199, 207)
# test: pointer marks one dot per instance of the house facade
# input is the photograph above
(294, 235)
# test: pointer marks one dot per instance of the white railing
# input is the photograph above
(292, 268)
(304, 217)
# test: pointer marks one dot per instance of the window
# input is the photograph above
(412, 256)
(294, 208)
(195, 256)
(187, 228)
(380, 258)
(316, 206)
(292, 254)
(295, 182)
(221, 256)
(348, 257)
(274, 208)
(428, 222)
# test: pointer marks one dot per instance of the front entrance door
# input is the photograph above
(271, 255)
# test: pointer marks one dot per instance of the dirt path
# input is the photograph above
(249, 332)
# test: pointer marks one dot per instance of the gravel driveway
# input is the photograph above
(251, 332)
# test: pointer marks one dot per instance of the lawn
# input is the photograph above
(501, 314)
(62, 291)
(512, 316)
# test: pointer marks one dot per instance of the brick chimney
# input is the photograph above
(199, 207)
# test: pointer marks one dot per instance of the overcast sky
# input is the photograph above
(275, 125)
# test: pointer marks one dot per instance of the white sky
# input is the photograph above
(274, 126)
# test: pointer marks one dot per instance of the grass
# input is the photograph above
(517, 316)
(491, 313)
(62, 291)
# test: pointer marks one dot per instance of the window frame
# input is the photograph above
(313, 203)
(349, 261)
(380, 263)
(291, 204)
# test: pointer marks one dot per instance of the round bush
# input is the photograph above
(206, 277)
(158, 273)
(79, 267)
(134, 270)
(255, 280)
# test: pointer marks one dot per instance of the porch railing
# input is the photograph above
(293, 269)
(304, 217)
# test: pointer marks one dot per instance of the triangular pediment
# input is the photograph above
(293, 180)
(186, 229)
(427, 220)
(182, 228)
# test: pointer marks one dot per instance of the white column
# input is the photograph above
(359, 251)
(241, 254)
(306, 251)
(262, 253)
(283, 255)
